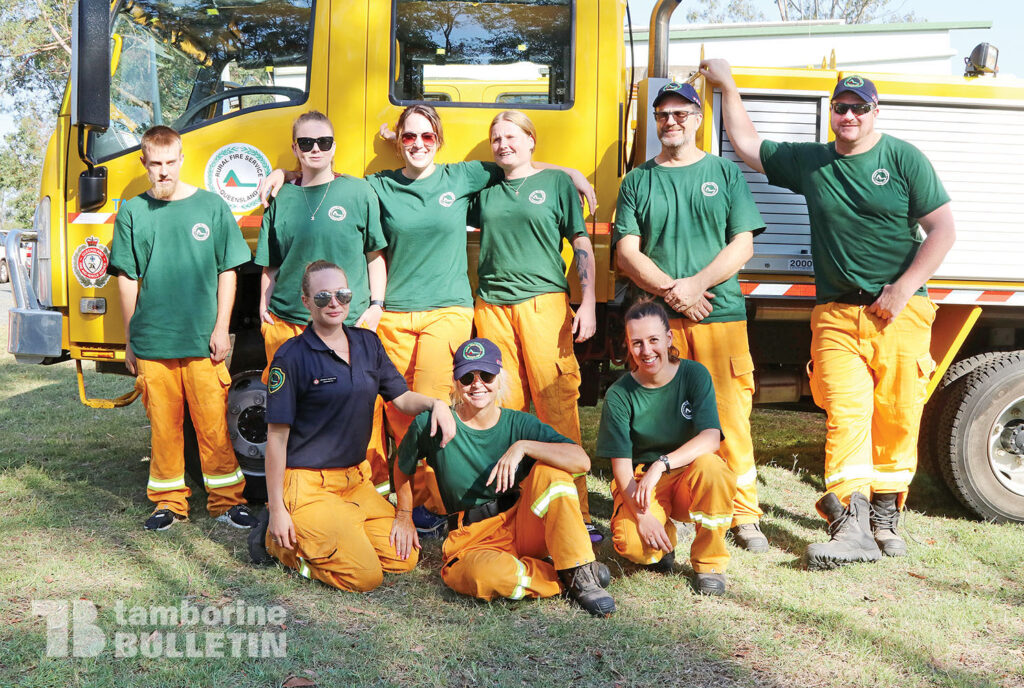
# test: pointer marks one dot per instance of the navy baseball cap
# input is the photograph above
(477, 354)
(683, 90)
(860, 86)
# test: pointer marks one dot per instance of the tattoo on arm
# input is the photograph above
(581, 265)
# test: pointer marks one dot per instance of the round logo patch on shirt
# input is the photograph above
(709, 189)
(538, 197)
(336, 213)
(880, 177)
(686, 410)
(473, 351)
(447, 199)
(200, 231)
(275, 380)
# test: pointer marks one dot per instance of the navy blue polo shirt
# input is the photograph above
(327, 402)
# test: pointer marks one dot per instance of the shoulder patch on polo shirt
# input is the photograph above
(275, 380)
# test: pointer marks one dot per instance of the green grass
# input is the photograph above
(72, 501)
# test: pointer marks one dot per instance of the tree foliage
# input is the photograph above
(35, 52)
(21, 153)
(850, 11)
(722, 11)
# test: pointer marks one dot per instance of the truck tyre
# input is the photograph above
(928, 448)
(247, 428)
(5, 276)
(983, 425)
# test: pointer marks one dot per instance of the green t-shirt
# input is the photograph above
(464, 464)
(521, 236)
(684, 217)
(346, 228)
(176, 250)
(642, 423)
(863, 208)
(424, 222)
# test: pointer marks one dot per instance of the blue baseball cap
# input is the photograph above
(477, 354)
(682, 89)
(860, 86)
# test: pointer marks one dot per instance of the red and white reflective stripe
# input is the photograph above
(997, 297)
(108, 219)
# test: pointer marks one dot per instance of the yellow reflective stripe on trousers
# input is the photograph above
(554, 491)
(523, 582)
(223, 480)
(710, 521)
(384, 489)
(304, 568)
(849, 474)
(901, 476)
(748, 478)
(166, 485)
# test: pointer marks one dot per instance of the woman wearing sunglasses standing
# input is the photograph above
(323, 517)
(515, 526)
(523, 297)
(322, 216)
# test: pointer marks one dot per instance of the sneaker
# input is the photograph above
(582, 586)
(162, 519)
(709, 583)
(666, 564)
(884, 519)
(257, 540)
(428, 524)
(596, 535)
(238, 516)
(850, 528)
(749, 537)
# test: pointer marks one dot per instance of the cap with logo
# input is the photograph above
(860, 86)
(681, 89)
(477, 354)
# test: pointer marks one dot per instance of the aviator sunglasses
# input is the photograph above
(467, 379)
(859, 109)
(305, 143)
(322, 298)
(678, 115)
(409, 138)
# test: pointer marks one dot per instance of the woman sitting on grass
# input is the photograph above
(506, 482)
(659, 427)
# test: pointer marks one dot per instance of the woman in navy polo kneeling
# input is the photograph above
(326, 519)
(506, 483)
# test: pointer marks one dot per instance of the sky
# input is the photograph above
(1007, 17)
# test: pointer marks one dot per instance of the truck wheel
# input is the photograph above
(5, 276)
(928, 448)
(985, 421)
(247, 428)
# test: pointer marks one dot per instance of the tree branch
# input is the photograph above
(53, 29)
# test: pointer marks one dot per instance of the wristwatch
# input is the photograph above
(377, 302)
(664, 460)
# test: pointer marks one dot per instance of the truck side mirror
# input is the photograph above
(90, 66)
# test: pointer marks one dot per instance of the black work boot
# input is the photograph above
(884, 518)
(665, 565)
(583, 586)
(850, 528)
(749, 537)
(709, 583)
(258, 540)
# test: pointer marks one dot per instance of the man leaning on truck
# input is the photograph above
(684, 226)
(174, 252)
(871, 328)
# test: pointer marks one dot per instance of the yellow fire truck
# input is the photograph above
(231, 78)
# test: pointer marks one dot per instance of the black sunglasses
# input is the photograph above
(678, 115)
(322, 298)
(859, 109)
(305, 143)
(467, 379)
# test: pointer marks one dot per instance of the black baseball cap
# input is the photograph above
(681, 89)
(860, 86)
(477, 354)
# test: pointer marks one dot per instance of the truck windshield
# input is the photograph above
(185, 62)
(499, 51)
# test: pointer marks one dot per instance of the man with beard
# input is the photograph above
(173, 245)
(684, 226)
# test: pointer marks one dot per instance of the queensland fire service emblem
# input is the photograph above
(90, 263)
(234, 173)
